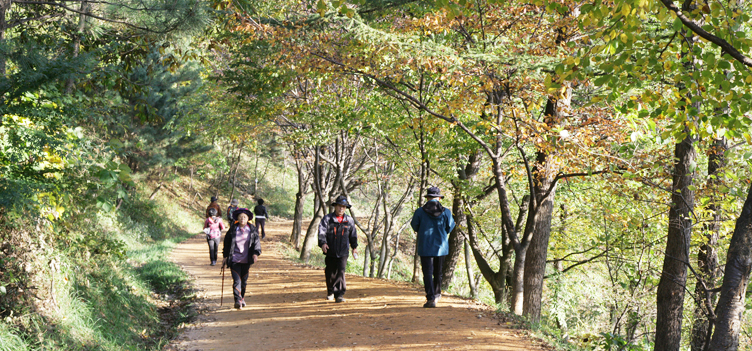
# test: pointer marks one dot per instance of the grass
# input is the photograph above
(115, 289)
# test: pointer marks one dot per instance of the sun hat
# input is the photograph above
(237, 213)
(341, 200)
(434, 192)
(234, 202)
(214, 198)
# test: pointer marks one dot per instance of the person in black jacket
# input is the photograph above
(240, 250)
(336, 233)
(261, 216)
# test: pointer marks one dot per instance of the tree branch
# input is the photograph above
(693, 26)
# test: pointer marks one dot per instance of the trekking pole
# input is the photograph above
(222, 294)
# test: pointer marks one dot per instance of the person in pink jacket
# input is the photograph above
(213, 227)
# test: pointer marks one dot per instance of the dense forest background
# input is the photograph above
(596, 156)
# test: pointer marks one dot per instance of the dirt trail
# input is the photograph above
(287, 310)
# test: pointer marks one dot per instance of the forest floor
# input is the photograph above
(287, 310)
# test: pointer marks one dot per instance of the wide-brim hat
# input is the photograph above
(341, 200)
(234, 202)
(434, 192)
(214, 198)
(237, 213)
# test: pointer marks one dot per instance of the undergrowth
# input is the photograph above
(111, 286)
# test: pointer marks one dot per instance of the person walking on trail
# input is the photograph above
(214, 205)
(261, 216)
(432, 223)
(241, 249)
(215, 227)
(230, 209)
(336, 233)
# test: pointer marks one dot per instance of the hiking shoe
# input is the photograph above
(340, 299)
(429, 304)
(330, 297)
(242, 302)
(214, 263)
(237, 305)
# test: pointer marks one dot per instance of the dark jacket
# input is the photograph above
(213, 205)
(432, 223)
(231, 209)
(254, 244)
(260, 211)
(337, 235)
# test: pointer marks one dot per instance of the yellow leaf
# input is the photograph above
(626, 9)
(623, 38)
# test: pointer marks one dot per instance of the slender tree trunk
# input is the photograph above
(311, 238)
(4, 7)
(297, 222)
(424, 166)
(388, 221)
(454, 239)
(396, 250)
(671, 288)
(77, 41)
(707, 257)
(469, 269)
(235, 172)
(730, 309)
(300, 196)
(495, 279)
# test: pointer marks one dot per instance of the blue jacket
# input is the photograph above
(432, 223)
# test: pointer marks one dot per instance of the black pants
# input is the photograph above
(260, 224)
(239, 279)
(432, 275)
(213, 247)
(335, 275)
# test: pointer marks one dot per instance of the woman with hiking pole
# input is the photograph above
(241, 249)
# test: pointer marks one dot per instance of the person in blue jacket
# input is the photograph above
(432, 223)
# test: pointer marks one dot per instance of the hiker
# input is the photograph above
(261, 216)
(240, 250)
(432, 223)
(215, 205)
(336, 232)
(215, 227)
(230, 209)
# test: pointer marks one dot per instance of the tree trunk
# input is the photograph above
(311, 238)
(388, 222)
(455, 239)
(77, 41)
(707, 257)
(730, 309)
(299, 204)
(465, 173)
(235, 172)
(535, 264)
(297, 223)
(4, 7)
(518, 280)
(495, 279)
(670, 295)
(469, 269)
